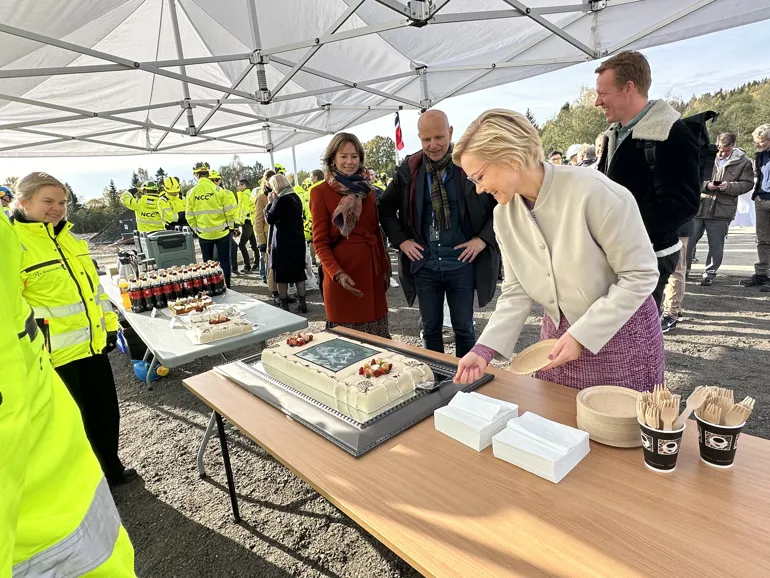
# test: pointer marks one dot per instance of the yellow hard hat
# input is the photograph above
(201, 167)
(280, 169)
(171, 185)
(214, 175)
(150, 186)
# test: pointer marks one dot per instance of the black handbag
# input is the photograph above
(320, 271)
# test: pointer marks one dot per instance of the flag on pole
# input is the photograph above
(399, 138)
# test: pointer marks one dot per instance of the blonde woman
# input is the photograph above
(62, 287)
(573, 241)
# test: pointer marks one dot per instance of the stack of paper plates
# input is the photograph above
(608, 414)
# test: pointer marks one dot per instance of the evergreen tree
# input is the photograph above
(135, 182)
(531, 118)
(160, 176)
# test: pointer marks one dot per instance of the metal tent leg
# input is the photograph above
(205, 442)
(228, 468)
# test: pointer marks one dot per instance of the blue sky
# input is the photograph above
(705, 64)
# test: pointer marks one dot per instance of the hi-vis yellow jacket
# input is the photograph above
(247, 209)
(178, 204)
(152, 210)
(62, 285)
(211, 210)
(57, 517)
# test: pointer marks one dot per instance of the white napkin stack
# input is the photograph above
(472, 418)
(540, 446)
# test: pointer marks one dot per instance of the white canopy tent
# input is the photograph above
(108, 77)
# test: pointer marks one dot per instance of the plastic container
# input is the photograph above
(168, 248)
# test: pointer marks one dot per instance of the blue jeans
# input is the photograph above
(223, 253)
(459, 286)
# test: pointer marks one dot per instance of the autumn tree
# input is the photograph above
(380, 153)
(577, 122)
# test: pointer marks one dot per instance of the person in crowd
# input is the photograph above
(348, 241)
(260, 226)
(62, 287)
(287, 248)
(574, 241)
(598, 145)
(556, 157)
(216, 178)
(247, 209)
(172, 193)
(6, 197)
(51, 483)
(673, 294)
(761, 198)
(444, 230)
(316, 178)
(667, 190)
(572, 155)
(153, 211)
(732, 176)
(378, 185)
(587, 156)
(211, 213)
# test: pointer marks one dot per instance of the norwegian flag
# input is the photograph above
(399, 137)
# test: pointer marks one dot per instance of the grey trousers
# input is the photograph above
(716, 231)
(762, 267)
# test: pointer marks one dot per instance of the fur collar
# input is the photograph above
(654, 126)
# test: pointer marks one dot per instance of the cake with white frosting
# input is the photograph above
(343, 373)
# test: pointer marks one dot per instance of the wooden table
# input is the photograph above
(450, 511)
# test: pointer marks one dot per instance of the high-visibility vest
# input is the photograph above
(57, 517)
(178, 204)
(306, 214)
(247, 209)
(62, 286)
(152, 210)
(211, 210)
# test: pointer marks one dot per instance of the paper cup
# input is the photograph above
(718, 443)
(661, 448)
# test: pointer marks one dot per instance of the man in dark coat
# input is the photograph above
(431, 212)
(668, 191)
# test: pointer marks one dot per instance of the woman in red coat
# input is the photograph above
(348, 241)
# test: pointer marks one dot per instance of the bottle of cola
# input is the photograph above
(135, 294)
(187, 289)
(147, 297)
(157, 292)
(205, 279)
(197, 280)
(165, 285)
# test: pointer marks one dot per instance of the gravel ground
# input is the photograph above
(180, 525)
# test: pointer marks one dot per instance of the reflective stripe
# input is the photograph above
(211, 229)
(149, 222)
(42, 312)
(229, 207)
(62, 340)
(89, 546)
(106, 306)
(204, 212)
(30, 327)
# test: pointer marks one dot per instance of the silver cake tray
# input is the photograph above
(356, 434)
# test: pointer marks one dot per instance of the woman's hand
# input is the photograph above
(470, 368)
(567, 349)
(347, 283)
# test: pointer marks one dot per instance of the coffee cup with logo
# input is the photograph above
(661, 447)
(718, 443)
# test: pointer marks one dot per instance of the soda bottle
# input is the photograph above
(157, 292)
(146, 294)
(197, 280)
(176, 285)
(186, 286)
(220, 280)
(135, 293)
(205, 278)
(165, 285)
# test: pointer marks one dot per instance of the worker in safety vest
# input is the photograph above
(172, 193)
(57, 516)
(247, 211)
(153, 212)
(6, 196)
(216, 178)
(62, 286)
(211, 213)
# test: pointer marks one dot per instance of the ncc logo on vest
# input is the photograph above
(204, 196)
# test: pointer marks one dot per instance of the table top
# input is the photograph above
(173, 348)
(451, 511)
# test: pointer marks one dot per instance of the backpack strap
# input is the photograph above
(649, 155)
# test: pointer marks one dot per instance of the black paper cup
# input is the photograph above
(718, 443)
(661, 448)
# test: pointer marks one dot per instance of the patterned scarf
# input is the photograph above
(354, 189)
(437, 191)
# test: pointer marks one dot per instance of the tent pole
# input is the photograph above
(294, 160)
(182, 69)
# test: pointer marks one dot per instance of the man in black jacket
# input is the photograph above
(431, 212)
(664, 179)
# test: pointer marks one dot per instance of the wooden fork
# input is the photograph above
(713, 414)
(737, 415)
(668, 414)
(652, 417)
(748, 402)
(641, 410)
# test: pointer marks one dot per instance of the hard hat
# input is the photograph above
(280, 169)
(150, 186)
(6, 192)
(201, 167)
(307, 182)
(214, 175)
(171, 185)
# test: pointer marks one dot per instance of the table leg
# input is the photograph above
(148, 379)
(205, 442)
(228, 468)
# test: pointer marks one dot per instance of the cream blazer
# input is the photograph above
(582, 251)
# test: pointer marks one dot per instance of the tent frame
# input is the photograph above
(415, 13)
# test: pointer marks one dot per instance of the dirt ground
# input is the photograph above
(180, 525)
